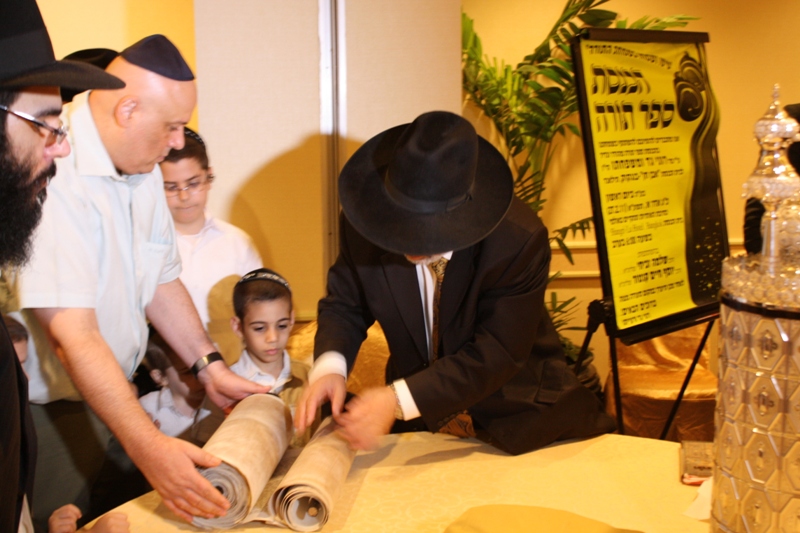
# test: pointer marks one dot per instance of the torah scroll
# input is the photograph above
(251, 442)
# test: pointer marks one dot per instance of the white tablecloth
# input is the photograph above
(421, 482)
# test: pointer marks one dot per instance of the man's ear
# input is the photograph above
(236, 326)
(124, 110)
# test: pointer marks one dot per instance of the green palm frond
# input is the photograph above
(533, 105)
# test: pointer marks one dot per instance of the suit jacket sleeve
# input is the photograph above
(343, 315)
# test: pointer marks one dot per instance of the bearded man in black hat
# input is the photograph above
(106, 262)
(31, 138)
(473, 353)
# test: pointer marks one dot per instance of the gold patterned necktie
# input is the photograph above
(438, 268)
(461, 424)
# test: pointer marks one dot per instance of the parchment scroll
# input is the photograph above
(251, 442)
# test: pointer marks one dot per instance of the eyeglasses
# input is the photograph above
(54, 135)
(192, 188)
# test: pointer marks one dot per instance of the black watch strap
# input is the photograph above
(203, 362)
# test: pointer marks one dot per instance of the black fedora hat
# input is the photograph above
(27, 58)
(427, 187)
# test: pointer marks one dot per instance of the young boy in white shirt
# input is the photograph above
(210, 249)
(262, 301)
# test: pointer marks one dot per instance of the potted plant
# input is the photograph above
(532, 106)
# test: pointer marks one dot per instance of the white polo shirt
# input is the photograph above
(105, 242)
(219, 250)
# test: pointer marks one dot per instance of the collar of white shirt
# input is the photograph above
(247, 368)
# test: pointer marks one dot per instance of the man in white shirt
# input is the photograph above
(105, 262)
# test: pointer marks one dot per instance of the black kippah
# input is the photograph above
(265, 274)
(99, 57)
(188, 132)
(157, 54)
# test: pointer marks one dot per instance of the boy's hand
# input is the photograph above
(64, 519)
(111, 523)
(329, 387)
(226, 388)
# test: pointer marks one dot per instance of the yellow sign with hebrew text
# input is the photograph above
(653, 127)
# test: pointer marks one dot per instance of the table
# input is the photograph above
(422, 482)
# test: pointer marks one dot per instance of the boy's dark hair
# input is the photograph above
(16, 331)
(156, 356)
(194, 148)
(260, 285)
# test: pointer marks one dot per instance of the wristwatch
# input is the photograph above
(398, 411)
(204, 361)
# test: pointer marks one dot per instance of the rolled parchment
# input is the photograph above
(250, 442)
(304, 499)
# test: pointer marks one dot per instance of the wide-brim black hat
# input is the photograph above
(27, 58)
(427, 187)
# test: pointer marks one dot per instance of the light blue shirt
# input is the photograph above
(106, 241)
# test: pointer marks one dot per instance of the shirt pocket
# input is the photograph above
(154, 257)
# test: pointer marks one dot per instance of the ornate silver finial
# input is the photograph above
(775, 124)
(774, 178)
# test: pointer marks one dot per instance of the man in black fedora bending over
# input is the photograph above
(436, 248)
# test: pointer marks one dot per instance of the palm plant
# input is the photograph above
(533, 105)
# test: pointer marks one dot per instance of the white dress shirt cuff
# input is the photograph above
(328, 363)
(407, 403)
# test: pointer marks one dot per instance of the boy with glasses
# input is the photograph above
(214, 254)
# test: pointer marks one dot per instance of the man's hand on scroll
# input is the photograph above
(226, 388)
(367, 418)
(328, 387)
(169, 466)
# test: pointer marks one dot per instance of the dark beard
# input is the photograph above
(20, 208)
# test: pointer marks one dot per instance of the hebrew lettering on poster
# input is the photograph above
(650, 121)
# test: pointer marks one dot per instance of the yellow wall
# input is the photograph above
(259, 99)
(116, 24)
(257, 69)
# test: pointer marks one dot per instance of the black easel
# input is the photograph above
(696, 359)
(601, 312)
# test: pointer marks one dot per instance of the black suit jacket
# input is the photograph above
(17, 436)
(501, 358)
